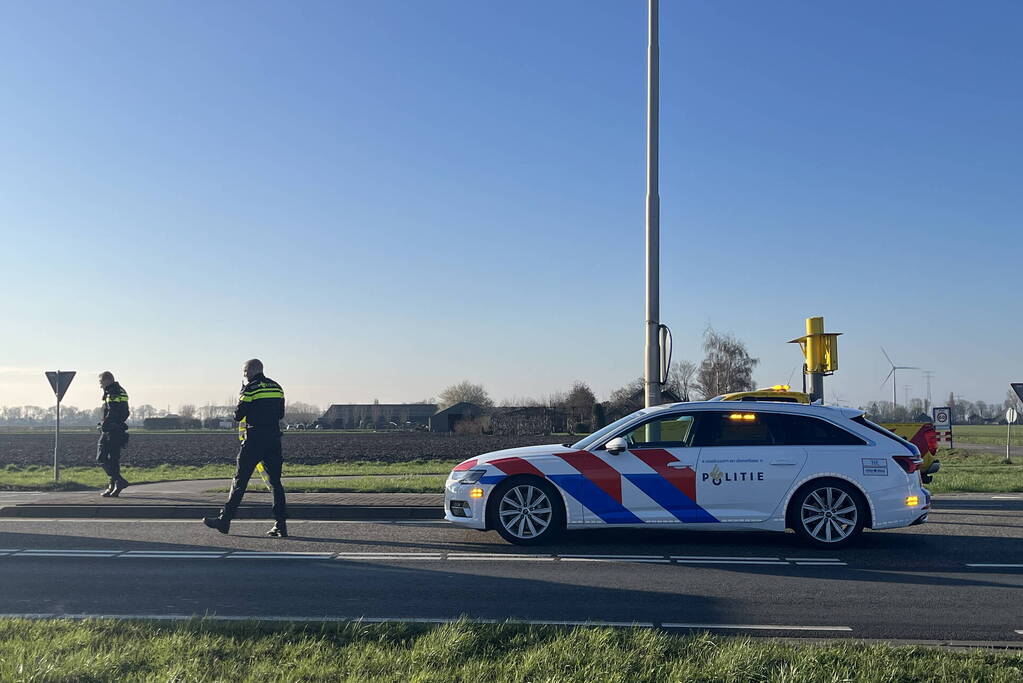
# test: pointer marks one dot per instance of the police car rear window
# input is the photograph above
(800, 430)
(860, 420)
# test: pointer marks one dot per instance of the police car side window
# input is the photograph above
(674, 431)
(733, 428)
(801, 430)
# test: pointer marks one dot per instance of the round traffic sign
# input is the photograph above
(941, 416)
(1010, 415)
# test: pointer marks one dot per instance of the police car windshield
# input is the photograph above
(598, 437)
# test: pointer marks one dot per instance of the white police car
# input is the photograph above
(823, 471)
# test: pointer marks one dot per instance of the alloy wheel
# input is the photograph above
(525, 511)
(829, 514)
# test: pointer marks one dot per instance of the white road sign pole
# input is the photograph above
(60, 381)
(56, 446)
(1010, 417)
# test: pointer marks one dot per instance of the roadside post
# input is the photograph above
(59, 381)
(1010, 417)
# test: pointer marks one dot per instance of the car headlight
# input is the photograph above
(468, 476)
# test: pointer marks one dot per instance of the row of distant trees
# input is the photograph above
(71, 416)
(727, 366)
(963, 411)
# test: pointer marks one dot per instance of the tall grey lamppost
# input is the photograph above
(652, 365)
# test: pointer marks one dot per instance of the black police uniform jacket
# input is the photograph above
(261, 405)
(115, 409)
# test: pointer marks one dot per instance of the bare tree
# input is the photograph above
(467, 392)
(727, 366)
(296, 411)
(187, 410)
(682, 379)
(579, 404)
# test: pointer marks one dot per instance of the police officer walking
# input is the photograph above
(114, 434)
(260, 410)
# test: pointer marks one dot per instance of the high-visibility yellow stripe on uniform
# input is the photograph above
(262, 393)
(123, 398)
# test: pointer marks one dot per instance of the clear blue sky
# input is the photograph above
(380, 198)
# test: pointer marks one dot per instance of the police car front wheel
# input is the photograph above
(527, 511)
(827, 514)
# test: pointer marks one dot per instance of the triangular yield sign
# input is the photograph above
(60, 381)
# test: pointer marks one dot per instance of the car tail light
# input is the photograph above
(909, 463)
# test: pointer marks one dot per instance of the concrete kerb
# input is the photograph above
(311, 512)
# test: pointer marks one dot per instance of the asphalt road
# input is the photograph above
(957, 578)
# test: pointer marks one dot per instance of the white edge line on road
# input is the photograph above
(760, 627)
(610, 559)
(362, 555)
(616, 557)
(70, 551)
(813, 559)
(732, 562)
(56, 554)
(173, 553)
(995, 565)
(721, 557)
(1006, 497)
(354, 620)
(276, 556)
(175, 557)
(821, 564)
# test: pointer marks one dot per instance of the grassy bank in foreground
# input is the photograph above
(212, 651)
(36, 478)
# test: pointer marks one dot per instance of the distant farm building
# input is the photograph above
(219, 423)
(171, 422)
(377, 415)
(447, 419)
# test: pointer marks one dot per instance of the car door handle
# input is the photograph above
(679, 465)
(784, 462)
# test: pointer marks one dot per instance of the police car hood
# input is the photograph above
(524, 452)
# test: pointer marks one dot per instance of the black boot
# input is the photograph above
(279, 530)
(109, 491)
(219, 523)
(119, 486)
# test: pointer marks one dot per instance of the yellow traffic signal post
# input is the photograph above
(820, 350)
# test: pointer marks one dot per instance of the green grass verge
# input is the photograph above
(217, 651)
(973, 472)
(384, 484)
(40, 478)
(993, 435)
(961, 472)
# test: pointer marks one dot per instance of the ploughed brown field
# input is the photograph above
(307, 448)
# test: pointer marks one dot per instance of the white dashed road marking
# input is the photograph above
(760, 627)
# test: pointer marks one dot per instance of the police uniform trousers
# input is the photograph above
(108, 454)
(265, 448)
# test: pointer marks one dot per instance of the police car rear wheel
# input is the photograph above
(827, 514)
(527, 511)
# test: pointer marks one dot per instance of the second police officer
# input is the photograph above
(113, 433)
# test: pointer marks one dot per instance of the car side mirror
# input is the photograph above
(616, 445)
